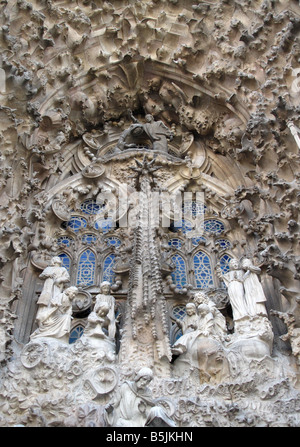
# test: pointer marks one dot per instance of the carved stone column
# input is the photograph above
(145, 340)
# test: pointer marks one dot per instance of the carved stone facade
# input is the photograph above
(149, 253)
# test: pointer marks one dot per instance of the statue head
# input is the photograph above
(56, 260)
(105, 287)
(190, 309)
(149, 118)
(200, 297)
(71, 292)
(103, 309)
(246, 262)
(143, 378)
(233, 264)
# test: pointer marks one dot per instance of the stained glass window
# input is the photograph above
(64, 241)
(175, 243)
(108, 273)
(86, 268)
(224, 263)
(183, 225)
(197, 240)
(66, 261)
(91, 207)
(76, 333)
(179, 274)
(104, 224)
(213, 226)
(179, 312)
(203, 272)
(89, 238)
(76, 223)
(224, 244)
(193, 207)
(113, 241)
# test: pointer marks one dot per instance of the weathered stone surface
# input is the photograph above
(104, 107)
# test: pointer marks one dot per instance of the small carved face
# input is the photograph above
(143, 381)
(105, 289)
(190, 309)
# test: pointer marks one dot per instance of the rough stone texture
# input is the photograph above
(77, 80)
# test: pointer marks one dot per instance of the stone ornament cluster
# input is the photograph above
(167, 97)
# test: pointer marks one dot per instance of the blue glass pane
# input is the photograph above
(91, 207)
(224, 263)
(224, 244)
(179, 312)
(184, 225)
(86, 268)
(104, 224)
(76, 333)
(108, 274)
(64, 241)
(113, 241)
(203, 272)
(66, 261)
(195, 208)
(76, 223)
(179, 274)
(197, 240)
(89, 238)
(175, 243)
(213, 226)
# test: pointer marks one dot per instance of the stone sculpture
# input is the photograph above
(234, 281)
(156, 131)
(54, 320)
(55, 277)
(133, 406)
(105, 297)
(201, 345)
(254, 294)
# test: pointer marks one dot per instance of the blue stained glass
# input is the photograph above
(179, 274)
(213, 226)
(179, 312)
(175, 243)
(203, 272)
(104, 224)
(89, 238)
(76, 333)
(197, 240)
(224, 263)
(113, 241)
(76, 223)
(184, 225)
(86, 268)
(224, 244)
(64, 241)
(66, 261)
(195, 208)
(91, 207)
(108, 273)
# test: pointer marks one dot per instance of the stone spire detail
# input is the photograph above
(145, 338)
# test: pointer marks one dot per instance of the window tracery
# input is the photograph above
(193, 265)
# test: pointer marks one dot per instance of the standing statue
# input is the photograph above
(105, 297)
(233, 279)
(133, 406)
(56, 276)
(54, 320)
(254, 294)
